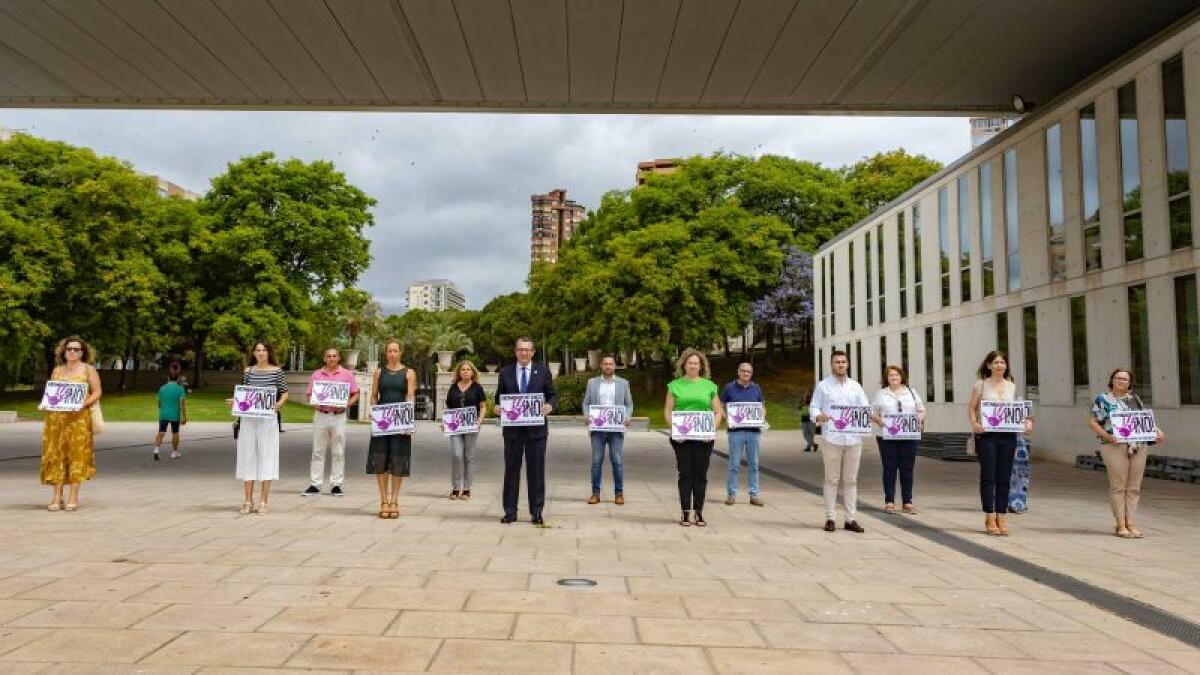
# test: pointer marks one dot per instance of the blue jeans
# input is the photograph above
(739, 441)
(616, 454)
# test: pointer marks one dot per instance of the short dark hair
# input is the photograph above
(524, 338)
(985, 368)
(1121, 370)
(836, 353)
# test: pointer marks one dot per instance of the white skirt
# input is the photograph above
(258, 449)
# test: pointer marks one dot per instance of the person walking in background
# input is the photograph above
(744, 441)
(1018, 482)
(466, 392)
(841, 453)
(389, 458)
(899, 456)
(608, 389)
(995, 449)
(68, 446)
(527, 443)
(258, 437)
(1125, 462)
(806, 424)
(329, 427)
(692, 391)
(172, 410)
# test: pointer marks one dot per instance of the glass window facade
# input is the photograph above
(1139, 341)
(1029, 326)
(883, 360)
(1079, 353)
(880, 283)
(918, 299)
(1131, 171)
(1187, 327)
(1178, 189)
(850, 288)
(1012, 230)
(905, 358)
(1057, 230)
(1002, 332)
(870, 279)
(944, 244)
(930, 396)
(985, 229)
(947, 365)
(964, 236)
(1089, 171)
(902, 259)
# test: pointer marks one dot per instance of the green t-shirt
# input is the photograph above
(169, 396)
(692, 395)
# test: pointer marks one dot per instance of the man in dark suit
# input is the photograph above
(526, 443)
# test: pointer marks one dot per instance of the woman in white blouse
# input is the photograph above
(897, 455)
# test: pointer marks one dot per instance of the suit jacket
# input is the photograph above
(623, 397)
(539, 383)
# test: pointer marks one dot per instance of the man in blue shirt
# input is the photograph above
(742, 438)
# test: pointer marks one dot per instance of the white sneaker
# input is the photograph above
(174, 454)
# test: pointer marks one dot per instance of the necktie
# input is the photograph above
(524, 379)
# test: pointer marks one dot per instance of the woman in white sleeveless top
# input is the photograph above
(995, 450)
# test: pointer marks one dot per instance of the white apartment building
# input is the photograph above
(1069, 242)
(435, 295)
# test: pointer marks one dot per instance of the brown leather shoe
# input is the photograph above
(755, 501)
(619, 500)
(594, 499)
(830, 526)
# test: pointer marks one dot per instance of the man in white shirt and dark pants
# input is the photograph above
(841, 452)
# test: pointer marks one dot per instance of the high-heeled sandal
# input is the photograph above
(394, 513)
(70, 507)
(990, 524)
(889, 508)
(1001, 525)
(54, 506)
(465, 494)
(685, 521)
(246, 507)
(700, 521)
(1122, 532)
(910, 509)
(384, 510)
(262, 508)
(1134, 532)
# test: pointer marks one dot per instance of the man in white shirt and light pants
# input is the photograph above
(841, 452)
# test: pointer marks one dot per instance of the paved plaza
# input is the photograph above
(157, 571)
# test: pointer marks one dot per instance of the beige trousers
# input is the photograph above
(1124, 479)
(841, 469)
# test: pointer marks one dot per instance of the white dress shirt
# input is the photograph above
(606, 393)
(832, 391)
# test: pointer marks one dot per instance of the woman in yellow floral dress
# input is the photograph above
(68, 455)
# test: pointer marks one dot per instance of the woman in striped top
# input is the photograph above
(258, 438)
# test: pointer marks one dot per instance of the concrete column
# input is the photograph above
(931, 281)
(1164, 352)
(976, 255)
(1191, 93)
(1054, 352)
(1034, 216)
(1108, 333)
(1072, 193)
(840, 300)
(1108, 156)
(891, 270)
(1156, 228)
(952, 242)
(999, 261)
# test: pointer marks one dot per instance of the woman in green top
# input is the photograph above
(691, 390)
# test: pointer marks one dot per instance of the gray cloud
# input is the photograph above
(453, 189)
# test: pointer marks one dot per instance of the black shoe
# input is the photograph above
(156, 457)
(312, 491)
(853, 526)
(830, 526)
(508, 519)
(336, 491)
(538, 522)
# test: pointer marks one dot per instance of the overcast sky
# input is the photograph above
(453, 189)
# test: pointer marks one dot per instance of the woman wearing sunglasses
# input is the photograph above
(68, 452)
(898, 455)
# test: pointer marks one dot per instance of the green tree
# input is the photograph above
(882, 177)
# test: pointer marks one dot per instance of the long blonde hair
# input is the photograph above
(60, 350)
(474, 371)
(687, 354)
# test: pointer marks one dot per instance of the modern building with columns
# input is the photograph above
(1068, 241)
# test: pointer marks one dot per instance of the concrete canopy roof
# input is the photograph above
(695, 56)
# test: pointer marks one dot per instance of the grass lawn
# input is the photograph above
(202, 406)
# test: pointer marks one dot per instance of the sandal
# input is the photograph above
(700, 522)
(465, 494)
(384, 514)
(70, 507)
(889, 508)
(685, 521)
(1135, 533)
(54, 506)
(395, 511)
(1122, 532)
(262, 508)
(454, 494)
(245, 508)
(910, 509)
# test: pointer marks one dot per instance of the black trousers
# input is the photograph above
(898, 456)
(996, 451)
(691, 459)
(520, 447)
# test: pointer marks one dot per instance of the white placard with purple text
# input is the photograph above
(64, 396)
(522, 410)
(389, 419)
(745, 415)
(900, 426)
(459, 421)
(253, 401)
(693, 425)
(606, 418)
(330, 393)
(1134, 426)
(1004, 416)
(849, 419)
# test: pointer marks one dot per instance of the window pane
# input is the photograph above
(904, 356)
(1090, 175)
(1054, 195)
(1002, 333)
(1187, 326)
(1012, 230)
(1139, 341)
(947, 364)
(870, 279)
(1131, 172)
(918, 300)
(1079, 360)
(883, 360)
(964, 236)
(1175, 116)
(929, 364)
(944, 244)
(985, 227)
(902, 255)
(850, 288)
(1029, 324)
(880, 286)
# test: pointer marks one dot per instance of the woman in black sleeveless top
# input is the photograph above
(390, 457)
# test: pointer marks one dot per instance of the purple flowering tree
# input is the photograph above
(789, 305)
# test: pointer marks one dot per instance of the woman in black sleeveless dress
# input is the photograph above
(390, 457)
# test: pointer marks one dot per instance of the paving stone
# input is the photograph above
(603, 659)
(824, 636)
(557, 628)
(230, 618)
(87, 614)
(330, 621)
(398, 597)
(422, 623)
(91, 645)
(908, 664)
(483, 656)
(777, 662)
(210, 648)
(699, 632)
